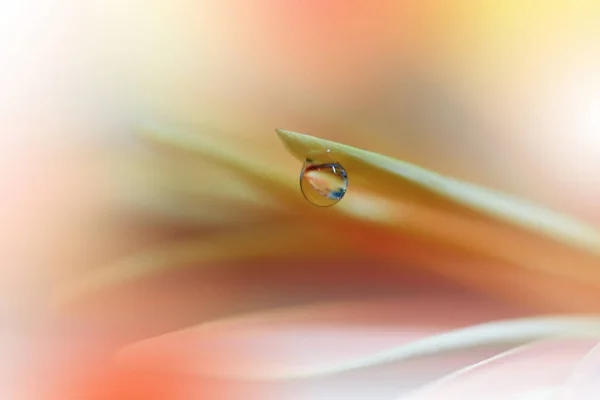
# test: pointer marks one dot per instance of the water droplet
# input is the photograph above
(323, 183)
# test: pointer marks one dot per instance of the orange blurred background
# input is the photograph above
(504, 94)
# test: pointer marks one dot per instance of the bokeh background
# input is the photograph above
(502, 94)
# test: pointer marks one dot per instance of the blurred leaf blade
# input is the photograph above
(442, 191)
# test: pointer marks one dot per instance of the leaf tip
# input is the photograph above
(284, 133)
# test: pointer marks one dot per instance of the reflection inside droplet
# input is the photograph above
(323, 183)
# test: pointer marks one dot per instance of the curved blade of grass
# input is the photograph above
(476, 220)
(429, 188)
(207, 146)
(168, 184)
(518, 332)
(268, 241)
(514, 355)
(507, 332)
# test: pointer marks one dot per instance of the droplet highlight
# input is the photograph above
(323, 184)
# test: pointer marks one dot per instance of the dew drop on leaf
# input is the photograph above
(323, 183)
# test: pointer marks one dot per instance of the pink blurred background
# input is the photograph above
(502, 94)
